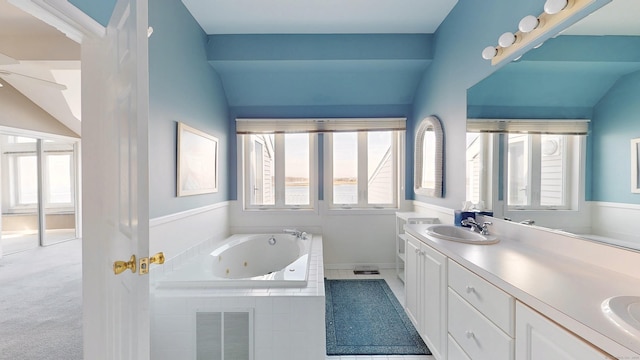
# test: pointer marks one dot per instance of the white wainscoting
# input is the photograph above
(616, 221)
(445, 215)
(183, 235)
(350, 237)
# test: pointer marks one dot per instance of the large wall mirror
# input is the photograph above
(589, 72)
(429, 158)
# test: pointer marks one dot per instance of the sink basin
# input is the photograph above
(624, 311)
(460, 234)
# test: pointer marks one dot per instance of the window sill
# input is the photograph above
(361, 211)
(281, 210)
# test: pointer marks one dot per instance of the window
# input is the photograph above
(23, 183)
(526, 164)
(20, 158)
(279, 171)
(362, 169)
(539, 168)
(280, 162)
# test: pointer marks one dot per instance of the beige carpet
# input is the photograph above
(41, 303)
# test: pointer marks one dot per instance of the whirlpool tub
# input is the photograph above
(247, 260)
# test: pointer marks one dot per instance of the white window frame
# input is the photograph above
(279, 177)
(573, 171)
(535, 175)
(362, 174)
(13, 151)
(485, 144)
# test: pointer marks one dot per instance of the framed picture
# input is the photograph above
(197, 162)
(635, 165)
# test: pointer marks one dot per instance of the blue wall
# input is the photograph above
(99, 10)
(615, 122)
(183, 88)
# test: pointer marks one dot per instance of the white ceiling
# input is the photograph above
(45, 53)
(319, 16)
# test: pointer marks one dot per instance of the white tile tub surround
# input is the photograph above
(183, 235)
(288, 322)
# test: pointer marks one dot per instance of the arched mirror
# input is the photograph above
(429, 157)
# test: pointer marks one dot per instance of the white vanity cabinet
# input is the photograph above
(471, 315)
(480, 317)
(538, 338)
(426, 294)
(402, 219)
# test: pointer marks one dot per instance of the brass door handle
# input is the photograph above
(145, 262)
(120, 266)
(157, 258)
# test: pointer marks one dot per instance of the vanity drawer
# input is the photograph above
(454, 351)
(494, 303)
(477, 336)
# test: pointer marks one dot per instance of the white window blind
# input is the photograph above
(271, 126)
(529, 126)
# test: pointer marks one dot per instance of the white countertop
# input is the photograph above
(563, 288)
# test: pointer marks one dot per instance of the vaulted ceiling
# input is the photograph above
(35, 57)
(320, 53)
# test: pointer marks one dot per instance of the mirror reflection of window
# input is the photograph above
(429, 157)
(474, 167)
(538, 170)
(429, 162)
(518, 189)
(479, 166)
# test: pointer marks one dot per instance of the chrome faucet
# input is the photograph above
(482, 229)
(298, 234)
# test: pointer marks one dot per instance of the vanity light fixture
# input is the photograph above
(528, 24)
(489, 52)
(507, 39)
(553, 7)
(532, 28)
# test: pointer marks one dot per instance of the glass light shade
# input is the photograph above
(555, 6)
(507, 39)
(489, 52)
(528, 24)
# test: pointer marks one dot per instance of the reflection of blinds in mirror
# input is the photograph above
(529, 126)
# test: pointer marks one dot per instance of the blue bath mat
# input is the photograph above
(363, 317)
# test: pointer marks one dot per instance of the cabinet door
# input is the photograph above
(537, 338)
(434, 295)
(411, 285)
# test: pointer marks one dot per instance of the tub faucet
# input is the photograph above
(482, 229)
(298, 234)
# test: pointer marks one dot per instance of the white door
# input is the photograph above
(115, 91)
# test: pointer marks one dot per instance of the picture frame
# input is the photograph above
(197, 162)
(635, 166)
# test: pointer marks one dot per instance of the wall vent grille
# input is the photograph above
(224, 335)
